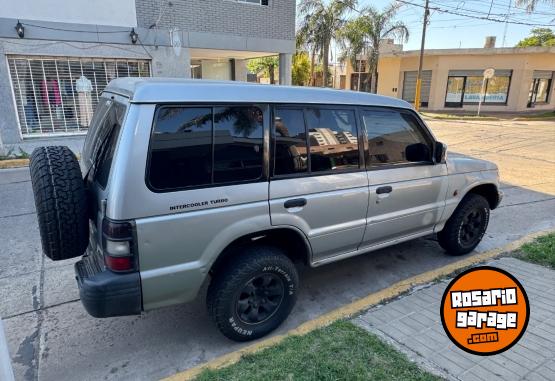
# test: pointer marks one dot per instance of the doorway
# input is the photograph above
(539, 91)
(455, 91)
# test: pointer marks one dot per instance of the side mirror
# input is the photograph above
(440, 154)
(417, 152)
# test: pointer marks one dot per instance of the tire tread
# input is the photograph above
(229, 274)
(60, 202)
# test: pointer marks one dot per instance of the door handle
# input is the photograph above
(295, 203)
(386, 189)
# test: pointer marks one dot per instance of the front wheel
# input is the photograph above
(253, 293)
(466, 227)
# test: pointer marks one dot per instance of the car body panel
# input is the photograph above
(414, 205)
(334, 217)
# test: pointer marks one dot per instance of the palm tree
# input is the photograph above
(379, 25)
(532, 4)
(352, 39)
(323, 21)
(306, 39)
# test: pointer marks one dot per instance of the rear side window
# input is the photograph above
(101, 141)
(327, 142)
(238, 143)
(202, 146)
(290, 150)
(333, 139)
(390, 133)
(112, 124)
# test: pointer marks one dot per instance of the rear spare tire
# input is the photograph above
(60, 200)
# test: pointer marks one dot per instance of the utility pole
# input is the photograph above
(419, 76)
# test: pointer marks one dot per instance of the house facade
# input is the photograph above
(453, 79)
(57, 56)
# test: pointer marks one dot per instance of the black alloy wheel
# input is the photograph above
(260, 298)
(466, 227)
(472, 227)
(252, 292)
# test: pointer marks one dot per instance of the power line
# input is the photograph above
(457, 13)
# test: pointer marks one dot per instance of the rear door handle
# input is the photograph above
(386, 189)
(295, 203)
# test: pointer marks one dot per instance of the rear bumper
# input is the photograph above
(104, 293)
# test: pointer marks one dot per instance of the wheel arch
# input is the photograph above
(288, 238)
(489, 191)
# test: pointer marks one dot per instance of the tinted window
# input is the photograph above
(333, 139)
(238, 143)
(290, 150)
(107, 140)
(181, 148)
(97, 132)
(390, 132)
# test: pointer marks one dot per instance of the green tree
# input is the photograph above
(538, 37)
(321, 22)
(300, 71)
(306, 40)
(532, 4)
(376, 26)
(352, 39)
(264, 65)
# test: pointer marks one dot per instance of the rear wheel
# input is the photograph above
(60, 201)
(466, 227)
(253, 293)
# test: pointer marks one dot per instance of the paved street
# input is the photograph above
(524, 151)
(412, 324)
(51, 337)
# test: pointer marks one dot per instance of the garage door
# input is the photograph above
(409, 86)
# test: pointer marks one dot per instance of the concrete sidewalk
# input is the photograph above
(413, 325)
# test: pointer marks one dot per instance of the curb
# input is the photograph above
(354, 307)
(14, 163)
(6, 372)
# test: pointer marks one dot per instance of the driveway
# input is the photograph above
(51, 337)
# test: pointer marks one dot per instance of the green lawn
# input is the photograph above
(341, 351)
(541, 251)
(542, 115)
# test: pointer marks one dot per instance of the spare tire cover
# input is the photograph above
(60, 200)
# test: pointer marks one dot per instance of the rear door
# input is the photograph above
(318, 182)
(407, 191)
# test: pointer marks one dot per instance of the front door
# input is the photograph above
(318, 183)
(406, 189)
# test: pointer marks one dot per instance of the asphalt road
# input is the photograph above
(51, 337)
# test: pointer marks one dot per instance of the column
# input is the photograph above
(240, 68)
(285, 68)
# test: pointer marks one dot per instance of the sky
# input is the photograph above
(448, 31)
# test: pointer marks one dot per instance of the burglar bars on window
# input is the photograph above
(58, 95)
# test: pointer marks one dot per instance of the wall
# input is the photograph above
(523, 65)
(101, 12)
(274, 21)
(388, 77)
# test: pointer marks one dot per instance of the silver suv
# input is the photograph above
(183, 182)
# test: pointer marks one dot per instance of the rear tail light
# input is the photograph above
(118, 246)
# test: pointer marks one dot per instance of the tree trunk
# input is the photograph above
(312, 63)
(325, 64)
(373, 63)
(375, 79)
(271, 69)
